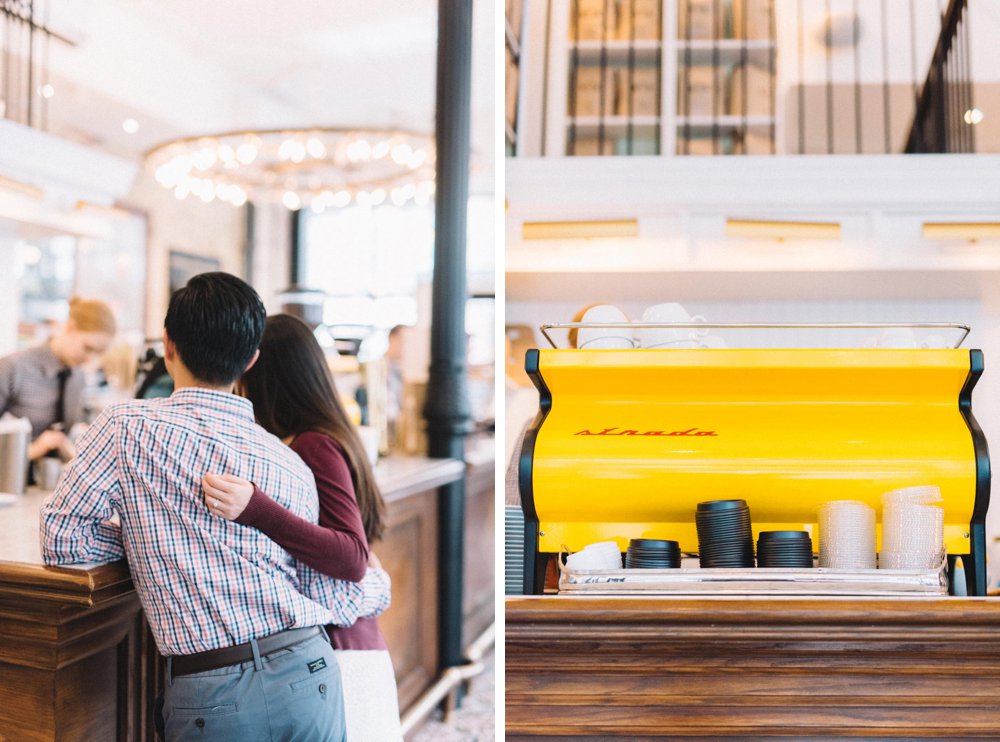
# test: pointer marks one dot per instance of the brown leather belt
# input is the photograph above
(188, 664)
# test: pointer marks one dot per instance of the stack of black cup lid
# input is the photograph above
(651, 553)
(725, 538)
(788, 549)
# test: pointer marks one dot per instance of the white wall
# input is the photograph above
(10, 292)
(213, 230)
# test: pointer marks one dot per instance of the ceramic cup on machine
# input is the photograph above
(897, 337)
(604, 337)
(669, 337)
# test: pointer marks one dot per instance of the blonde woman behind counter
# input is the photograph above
(45, 383)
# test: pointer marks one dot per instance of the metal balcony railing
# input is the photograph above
(945, 115)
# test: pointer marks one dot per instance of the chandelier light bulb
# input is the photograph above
(226, 153)
(223, 191)
(165, 176)
(398, 196)
(239, 196)
(181, 192)
(204, 158)
(315, 148)
(130, 126)
(401, 153)
(341, 199)
(246, 153)
(291, 200)
(973, 116)
(378, 197)
(418, 158)
(380, 150)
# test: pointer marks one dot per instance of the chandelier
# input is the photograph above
(316, 168)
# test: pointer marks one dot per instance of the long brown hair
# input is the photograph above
(292, 391)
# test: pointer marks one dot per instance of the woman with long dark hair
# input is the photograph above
(294, 398)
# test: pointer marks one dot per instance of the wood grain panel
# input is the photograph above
(409, 554)
(479, 578)
(634, 668)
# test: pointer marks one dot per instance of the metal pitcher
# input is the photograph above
(14, 437)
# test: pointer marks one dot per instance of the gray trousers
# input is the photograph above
(291, 695)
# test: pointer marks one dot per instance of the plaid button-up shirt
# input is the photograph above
(204, 582)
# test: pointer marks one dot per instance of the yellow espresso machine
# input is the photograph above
(627, 442)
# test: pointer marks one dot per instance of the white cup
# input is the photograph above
(669, 337)
(604, 337)
(713, 341)
(897, 337)
(601, 555)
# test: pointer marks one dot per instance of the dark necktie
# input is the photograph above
(63, 375)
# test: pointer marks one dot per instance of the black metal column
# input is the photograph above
(296, 247)
(447, 409)
(249, 241)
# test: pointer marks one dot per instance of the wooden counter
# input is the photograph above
(409, 553)
(658, 667)
(73, 644)
(77, 661)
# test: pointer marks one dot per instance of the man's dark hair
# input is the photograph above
(216, 322)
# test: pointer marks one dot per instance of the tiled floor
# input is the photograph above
(474, 721)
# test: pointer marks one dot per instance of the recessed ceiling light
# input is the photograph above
(973, 116)
(131, 126)
(46, 91)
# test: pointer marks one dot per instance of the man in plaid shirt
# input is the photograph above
(236, 616)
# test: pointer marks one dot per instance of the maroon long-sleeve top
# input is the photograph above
(337, 545)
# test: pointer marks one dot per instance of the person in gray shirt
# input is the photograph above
(45, 383)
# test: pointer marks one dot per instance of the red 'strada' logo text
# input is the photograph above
(624, 431)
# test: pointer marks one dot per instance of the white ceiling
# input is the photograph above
(184, 67)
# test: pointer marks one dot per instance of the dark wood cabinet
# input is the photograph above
(72, 646)
(479, 574)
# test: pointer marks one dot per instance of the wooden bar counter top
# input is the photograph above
(607, 668)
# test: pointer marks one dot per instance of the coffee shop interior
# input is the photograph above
(779, 177)
(291, 144)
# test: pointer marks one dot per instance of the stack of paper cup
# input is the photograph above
(912, 529)
(602, 555)
(847, 535)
